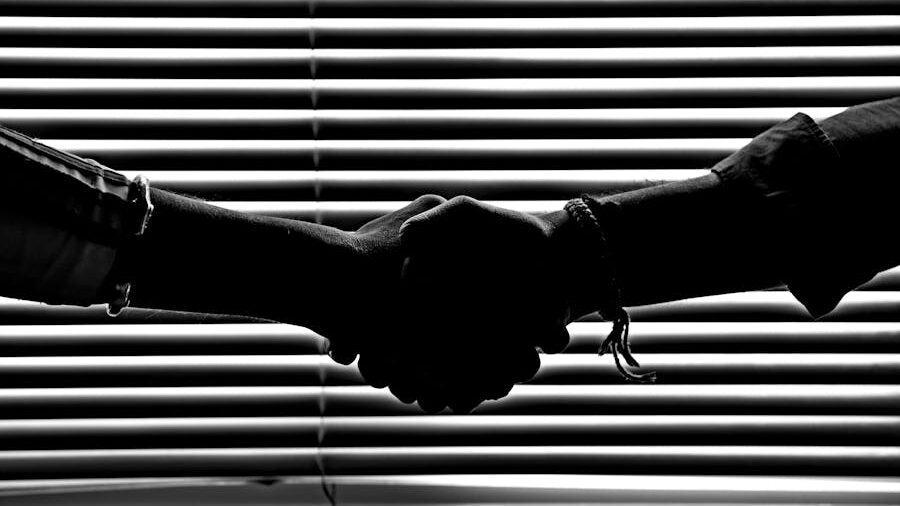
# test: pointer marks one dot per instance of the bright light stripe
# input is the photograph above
(695, 115)
(436, 452)
(710, 55)
(165, 361)
(400, 179)
(126, 54)
(403, 177)
(815, 361)
(857, 297)
(775, 392)
(18, 488)
(37, 340)
(77, 84)
(772, 299)
(668, 360)
(733, 24)
(192, 25)
(368, 208)
(143, 331)
(677, 330)
(638, 482)
(193, 392)
(612, 84)
(302, 461)
(682, 25)
(561, 85)
(394, 146)
(216, 422)
(443, 423)
(656, 484)
(673, 330)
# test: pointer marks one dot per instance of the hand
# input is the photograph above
(363, 312)
(488, 286)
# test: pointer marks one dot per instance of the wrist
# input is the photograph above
(318, 268)
(577, 265)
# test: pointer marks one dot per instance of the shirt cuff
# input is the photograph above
(63, 220)
(791, 175)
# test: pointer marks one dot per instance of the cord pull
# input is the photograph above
(617, 344)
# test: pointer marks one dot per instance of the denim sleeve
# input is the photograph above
(62, 222)
(828, 207)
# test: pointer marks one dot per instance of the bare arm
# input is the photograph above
(69, 238)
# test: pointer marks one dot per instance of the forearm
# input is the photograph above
(69, 230)
(800, 205)
(688, 239)
(202, 258)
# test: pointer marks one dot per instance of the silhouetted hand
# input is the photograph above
(368, 306)
(485, 287)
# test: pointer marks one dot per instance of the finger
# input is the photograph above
(404, 379)
(395, 219)
(375, 370)
(432, 403)
(526, 364)
(553, 340)
(419, 205)
(434, 383)
(343, 354)
(500, 391)
(403, 391)
(464, 403)
(419, 227)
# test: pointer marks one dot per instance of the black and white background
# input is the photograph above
(337, 111)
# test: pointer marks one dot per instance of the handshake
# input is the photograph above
(448, 301)
(444, 302)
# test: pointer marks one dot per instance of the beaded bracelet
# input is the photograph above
(139, 197)
(610, 305)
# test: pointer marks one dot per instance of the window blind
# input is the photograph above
(336, 111)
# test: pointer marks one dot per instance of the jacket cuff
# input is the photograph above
(792, 175)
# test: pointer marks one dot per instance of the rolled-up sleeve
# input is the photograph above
(62, 221)
(829, 209)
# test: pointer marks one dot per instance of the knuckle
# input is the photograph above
(462, 201)
(430, 200)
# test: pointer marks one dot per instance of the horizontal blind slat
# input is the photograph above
(230, 401)
(141, 154)
(860, 461)
(345, 185)
(400, 124)
(445, 93)
(84, 371)
(776, 306)
(667, 62)
(163, 339)
(483, 489)
(295, 32)
(455, 8)
(271, 339)
(664, 430)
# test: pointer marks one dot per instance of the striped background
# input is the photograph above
(339, 110)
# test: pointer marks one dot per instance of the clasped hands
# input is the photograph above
(448, 301)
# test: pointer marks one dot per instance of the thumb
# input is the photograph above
(422, 204)
(394, 220)
(448, 214)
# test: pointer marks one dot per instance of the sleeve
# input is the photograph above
(827, 201)
(63, 220)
